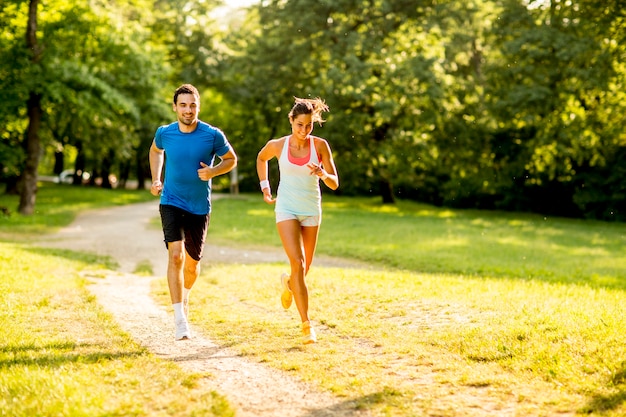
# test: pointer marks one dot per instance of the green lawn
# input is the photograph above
(461, 311)
(423, 238)
(462, 307)
(60, 353)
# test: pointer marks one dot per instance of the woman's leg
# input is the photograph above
(309, 240)
(291, 237)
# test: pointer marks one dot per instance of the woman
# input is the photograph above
(303, 160)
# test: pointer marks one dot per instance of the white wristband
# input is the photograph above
(264, 184)
(323, 177)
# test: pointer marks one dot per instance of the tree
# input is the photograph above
(107, 91)
(552, 89)
(509, 104)
(345, 52)
(33, 146)
(95, 88)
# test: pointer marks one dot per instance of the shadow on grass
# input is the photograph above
(387, 396)
(609, 402)
(84, 257)
(43, 356)
(603, 403)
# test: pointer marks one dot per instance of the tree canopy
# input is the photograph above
(497, 104)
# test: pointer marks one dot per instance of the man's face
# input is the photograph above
(187, 107)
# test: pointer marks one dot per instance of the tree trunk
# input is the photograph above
(28, 191)
(12, 186)
(59, 162)
(105, 170)
(79, 165)
(124, 174)
(142, 165)
(386, 191)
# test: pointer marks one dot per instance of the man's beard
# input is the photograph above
(187, 121)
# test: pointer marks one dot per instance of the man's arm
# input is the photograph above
(228, 161)
(156, 157)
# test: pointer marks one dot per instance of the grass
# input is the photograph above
(424, 238)
(61, 354)
(461, 312)
(57, 205)
(508, 311)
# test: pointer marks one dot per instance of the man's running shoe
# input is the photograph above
(182, 330)
(287, 296)
(308, 333)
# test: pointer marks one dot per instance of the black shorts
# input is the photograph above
(179, 224)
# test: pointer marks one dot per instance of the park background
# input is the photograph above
(513, 105)
(438, 109)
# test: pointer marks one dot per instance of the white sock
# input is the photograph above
(179, 313)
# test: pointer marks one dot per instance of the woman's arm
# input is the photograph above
(269, 151)
(326, 170)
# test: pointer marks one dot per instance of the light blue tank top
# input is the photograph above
(298, 191)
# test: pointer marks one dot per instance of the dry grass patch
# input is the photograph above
(61, 355)
(403, 343)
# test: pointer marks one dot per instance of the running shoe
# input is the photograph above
(286, 297)
(308, 333)
(182, 330)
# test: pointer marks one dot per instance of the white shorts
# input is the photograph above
(304, 220)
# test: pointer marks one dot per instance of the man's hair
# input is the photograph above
(186, 89)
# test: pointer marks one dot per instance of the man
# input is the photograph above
(188, 148)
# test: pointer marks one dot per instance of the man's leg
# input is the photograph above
(175, 266)
(191, 271)
(195, 229)
(175, 280)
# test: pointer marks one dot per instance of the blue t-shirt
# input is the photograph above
(183, 153)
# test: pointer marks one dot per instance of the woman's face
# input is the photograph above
(301, 126)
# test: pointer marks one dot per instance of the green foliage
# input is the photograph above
(492, 104)
(555, 84)
(97, 79)
(332, 51)
(505, 104)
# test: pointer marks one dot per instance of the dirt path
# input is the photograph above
(253, 389)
